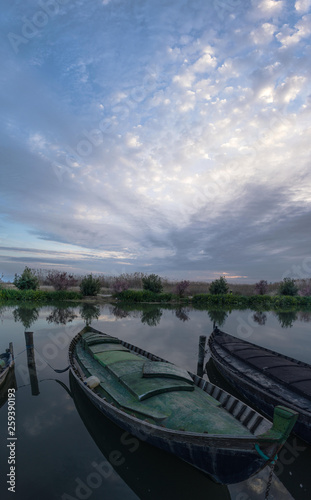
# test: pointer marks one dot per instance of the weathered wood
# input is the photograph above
(32, 364)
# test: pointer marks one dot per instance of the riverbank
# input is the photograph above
(202, 300)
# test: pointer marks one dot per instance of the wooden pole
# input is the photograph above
(32, 364)
(201, 356)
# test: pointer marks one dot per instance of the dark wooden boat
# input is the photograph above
(7, 374)
(6, 363)
(176, 410)
(265, 378)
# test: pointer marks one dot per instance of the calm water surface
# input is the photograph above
(66, 450)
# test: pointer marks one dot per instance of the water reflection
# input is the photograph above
(61, 315)
(260, 317)
(182, 313)
(218, 316)
(26, 314)
(286, 318)
(89, 312)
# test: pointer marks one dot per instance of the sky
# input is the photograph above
(161, 136)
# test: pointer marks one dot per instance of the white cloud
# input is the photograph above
(290, 36)
(263, 34)
(302, 5)
(270, 8)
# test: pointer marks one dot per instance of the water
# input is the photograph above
(66, 450)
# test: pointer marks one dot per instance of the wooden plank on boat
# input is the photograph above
(144, 388)
(169, 370)
(110, 357)
(105, 347)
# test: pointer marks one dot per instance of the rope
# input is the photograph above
(57, 371)
(273, 462)
(270, 480)
(16, 355)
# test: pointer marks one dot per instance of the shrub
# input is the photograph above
(261, 287)
(60, 280)
(152, 283)
(304, 288)
(90, 285)
(27, 281)
(120, 284)
(219, 286)
(288, 287)
(181, 288)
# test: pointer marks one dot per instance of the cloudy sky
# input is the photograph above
(163, 136)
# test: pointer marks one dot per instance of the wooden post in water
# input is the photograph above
(201, 357)
(32, 364)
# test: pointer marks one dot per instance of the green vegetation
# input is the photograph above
(152, 283)
(143, 296)
(90, 286)
(219, 286)
(37, 295)
(288, 287)
(262, 302)
(27, 280)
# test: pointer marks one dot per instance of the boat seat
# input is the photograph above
(109, 357)
(161, 369)
(144, 388)
(97, 348)
(100, 339)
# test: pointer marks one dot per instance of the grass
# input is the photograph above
(9, 294)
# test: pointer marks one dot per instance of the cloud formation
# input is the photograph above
(170, 137)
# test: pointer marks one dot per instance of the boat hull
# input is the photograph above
(226, 458)
(211, 458)
(262, 399)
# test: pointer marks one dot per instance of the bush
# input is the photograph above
(90, 285)
(288, 287)
(152, 283)
(60, 280)
(27, 281)
(120, 285)
(181, 288)
(261, 287)
(143, 296)
(219, 287)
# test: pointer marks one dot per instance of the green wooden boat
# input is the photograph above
(175, 410)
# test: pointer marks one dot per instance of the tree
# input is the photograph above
(60, 280)
(90, 285)
(288, 287)
(153, 283)
(181, 288)
(261, 287)
(120, 284)
(219, 286)
(27, 281)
